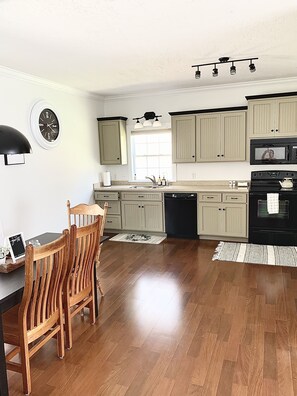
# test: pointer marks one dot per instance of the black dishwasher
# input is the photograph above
(181, 215)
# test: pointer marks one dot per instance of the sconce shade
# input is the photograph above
(12, 141)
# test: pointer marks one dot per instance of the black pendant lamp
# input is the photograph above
(12, 141)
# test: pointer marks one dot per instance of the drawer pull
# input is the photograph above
(106, 196)
(210, 197)
(140, 196)
(109, 221)
(234, 197)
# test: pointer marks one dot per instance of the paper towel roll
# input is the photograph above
(106, 179)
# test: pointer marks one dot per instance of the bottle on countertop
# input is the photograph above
(159, 181)
(163, 181)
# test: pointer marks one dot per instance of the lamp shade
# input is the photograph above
(13, 141)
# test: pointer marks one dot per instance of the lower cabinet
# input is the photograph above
(142, 216)
(113, 218)
(219, 217)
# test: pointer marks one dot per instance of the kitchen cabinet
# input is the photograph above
(142, 211)
(220, 137)
(222, 215)
(183, 138)
(112, 140)
(276, 117)
(113, 218)
(209, 137)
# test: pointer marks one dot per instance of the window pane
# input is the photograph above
(152, 155)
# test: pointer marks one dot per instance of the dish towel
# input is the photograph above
(272, 203)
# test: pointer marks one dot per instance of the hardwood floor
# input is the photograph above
(174, 322)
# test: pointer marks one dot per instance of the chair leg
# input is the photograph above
(68, 328)
(100, 287)
(60, 338)
(25, 364)
(91, 306)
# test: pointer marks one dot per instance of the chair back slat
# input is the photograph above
(45, 269)
(83, 251)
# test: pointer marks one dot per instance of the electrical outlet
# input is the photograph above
(115, 176)
(193, 176)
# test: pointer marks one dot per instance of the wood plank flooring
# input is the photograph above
(174, 322)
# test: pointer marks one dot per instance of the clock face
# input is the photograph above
(49, 125)
(45, 124)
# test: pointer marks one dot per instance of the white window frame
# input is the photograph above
(131, 153)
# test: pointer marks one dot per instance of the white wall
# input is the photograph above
(33, 196)
(194, 99)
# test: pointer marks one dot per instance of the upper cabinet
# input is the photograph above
(112, 140)
(220, 137)
(269, 115)
(183, 139)
(209, 137)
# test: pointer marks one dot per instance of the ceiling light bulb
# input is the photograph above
(157, 123)
(232, 69)
(138, 125)
(147, 123)
(252, 67)
(215, 71)
(197, 73)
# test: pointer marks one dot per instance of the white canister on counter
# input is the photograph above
(106, 179)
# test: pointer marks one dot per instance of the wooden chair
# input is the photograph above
(84, 214)
(39, 316)
(79, 288)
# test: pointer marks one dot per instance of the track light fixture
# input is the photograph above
(148, 116)
(225, 59)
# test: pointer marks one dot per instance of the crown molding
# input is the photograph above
(290, 80)
(18, 75)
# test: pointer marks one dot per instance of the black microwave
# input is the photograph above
(273, 151)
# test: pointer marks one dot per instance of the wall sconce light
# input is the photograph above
(225, 59)
(148, 116)
(13, 142)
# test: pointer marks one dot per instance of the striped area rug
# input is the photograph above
(256, 254)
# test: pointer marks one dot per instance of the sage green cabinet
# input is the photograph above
(272, 117)
(113, 218)
(209, 137)
(222, 215)
(142, 211)
(142, 216)
(220, 137)
(112, 140)
(183, 138)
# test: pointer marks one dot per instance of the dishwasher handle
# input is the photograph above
(179, 196)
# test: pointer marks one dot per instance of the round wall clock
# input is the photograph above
(45, 124)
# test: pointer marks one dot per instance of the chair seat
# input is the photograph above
(11, 327)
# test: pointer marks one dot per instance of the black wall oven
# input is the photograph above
(278, 228)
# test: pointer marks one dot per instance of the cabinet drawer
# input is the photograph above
(106, 196)
(113, 222)
(210, 197)
(114, 207)
(232, 197)
(141, 196)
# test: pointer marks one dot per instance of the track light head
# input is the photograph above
(233, 69)
(197, 73)
(252, 66)
(215, 71)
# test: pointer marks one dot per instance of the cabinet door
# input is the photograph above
(208, 146)
(286, 117)
(235, 220)
(233, 136)
(153, 216)
(183, 139)
(132, 216)
(261, 118)
(112, 142)
(209, 219)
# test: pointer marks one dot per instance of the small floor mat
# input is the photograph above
(138, 238)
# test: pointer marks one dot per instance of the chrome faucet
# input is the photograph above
(152, 179)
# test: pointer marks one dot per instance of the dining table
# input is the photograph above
(11, 291)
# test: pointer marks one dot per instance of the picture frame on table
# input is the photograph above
(14, 159)
(17, 246)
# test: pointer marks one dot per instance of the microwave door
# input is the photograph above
(269, 154)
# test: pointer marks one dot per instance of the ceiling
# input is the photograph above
(118, 47)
